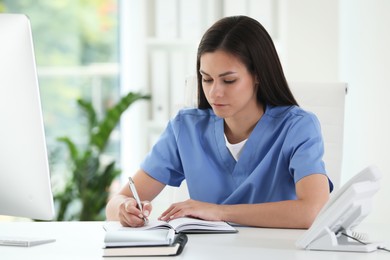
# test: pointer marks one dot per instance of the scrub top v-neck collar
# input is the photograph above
(238, 169)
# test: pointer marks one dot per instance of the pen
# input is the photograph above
(136, 197)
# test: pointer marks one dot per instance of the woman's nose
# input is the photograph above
(216, 90)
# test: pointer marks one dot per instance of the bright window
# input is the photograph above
(76, 49)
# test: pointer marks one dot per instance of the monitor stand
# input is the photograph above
(23, 241)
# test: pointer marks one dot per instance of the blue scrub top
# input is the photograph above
(285, 146)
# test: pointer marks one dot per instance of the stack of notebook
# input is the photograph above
(157, 238)
(143, 243)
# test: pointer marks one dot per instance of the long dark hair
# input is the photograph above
(247, 39)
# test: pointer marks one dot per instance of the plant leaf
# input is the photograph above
(89, 111)
(71, 147)
(111, 119)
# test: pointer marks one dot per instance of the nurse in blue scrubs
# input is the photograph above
(249, 153)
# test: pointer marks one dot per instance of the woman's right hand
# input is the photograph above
(122, 207)
(130, 215)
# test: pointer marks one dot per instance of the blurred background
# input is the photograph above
(99, 50)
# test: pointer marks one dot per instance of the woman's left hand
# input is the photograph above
(193, 208)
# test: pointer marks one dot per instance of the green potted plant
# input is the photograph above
(91, 177)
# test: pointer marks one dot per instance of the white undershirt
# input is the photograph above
(235, 149)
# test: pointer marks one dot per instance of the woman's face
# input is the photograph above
(228, 86)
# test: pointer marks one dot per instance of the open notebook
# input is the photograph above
(180, 225)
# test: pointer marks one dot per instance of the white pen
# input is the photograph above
(136, 197)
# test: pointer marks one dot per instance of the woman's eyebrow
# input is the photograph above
(203, 73)
(220, 75)
(227, 73)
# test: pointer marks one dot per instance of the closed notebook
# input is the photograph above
(180, 225)
(175, 248)
(121, 237)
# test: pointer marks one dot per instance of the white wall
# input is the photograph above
(309, 39)
(365, 64)
(349, 41)
(132, 78)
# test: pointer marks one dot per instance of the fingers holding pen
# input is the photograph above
(128, 213)
(146, 208)
(131, 215)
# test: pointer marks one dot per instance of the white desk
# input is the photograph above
(84, 240)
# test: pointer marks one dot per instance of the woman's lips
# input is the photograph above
(219, 105)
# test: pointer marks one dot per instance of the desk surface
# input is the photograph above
(84, 240)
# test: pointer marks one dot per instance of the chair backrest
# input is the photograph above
(327, 102)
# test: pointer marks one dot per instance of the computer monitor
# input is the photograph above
(333, 229)
(25, 188)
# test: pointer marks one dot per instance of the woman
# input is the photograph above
(249, 154)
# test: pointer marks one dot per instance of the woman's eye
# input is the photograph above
(229, 81)
(207, 80)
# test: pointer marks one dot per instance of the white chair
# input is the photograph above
(326, 101)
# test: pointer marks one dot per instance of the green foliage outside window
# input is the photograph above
(91, 175)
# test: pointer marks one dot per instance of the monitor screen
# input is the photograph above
(25, 188)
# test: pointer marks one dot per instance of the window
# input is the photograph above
(76, 49)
